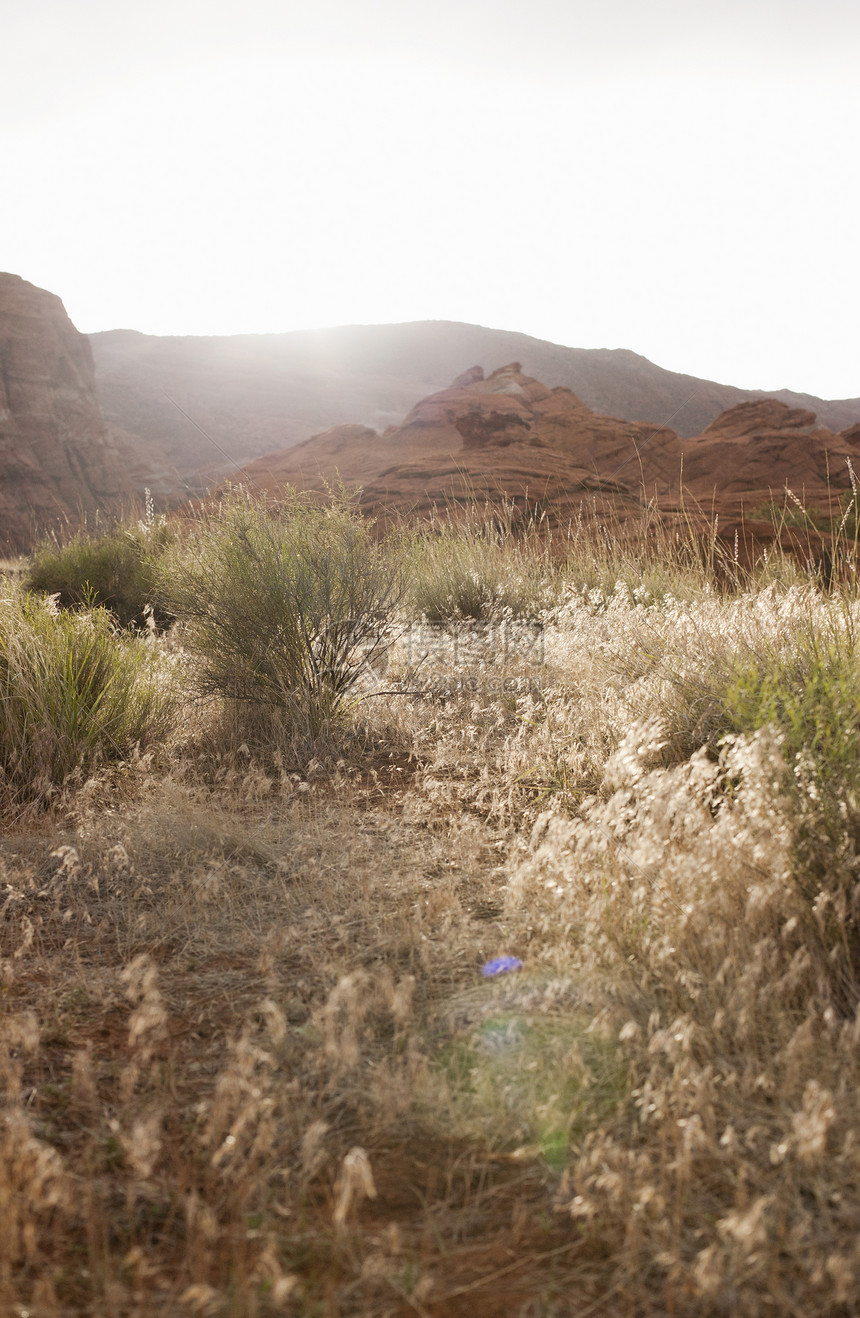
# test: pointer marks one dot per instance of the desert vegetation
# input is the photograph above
(113, 566)
(462, 920)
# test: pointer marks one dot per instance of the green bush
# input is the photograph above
(115, 569)
(73, 693)
(812, 694)
(286, 606)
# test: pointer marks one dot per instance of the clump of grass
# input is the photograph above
(678, 895)
(811, 693)
(788, 660)
(713, 670)
(487, 564)
(481, 567)
(286, 607)
(115, 568)
(649, 556)
(808, 686)
(73, 694)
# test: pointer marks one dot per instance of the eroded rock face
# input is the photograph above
(56, 461)
(487, 429)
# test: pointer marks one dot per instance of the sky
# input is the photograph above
(677, 177)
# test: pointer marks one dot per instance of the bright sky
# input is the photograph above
(679, 177)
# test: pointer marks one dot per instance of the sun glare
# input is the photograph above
(674, 207)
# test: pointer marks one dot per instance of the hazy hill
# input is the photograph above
(254, 394)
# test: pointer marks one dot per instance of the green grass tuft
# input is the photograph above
(73, 694)
(115, 568)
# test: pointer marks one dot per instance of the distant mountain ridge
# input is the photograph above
(255, 394)
(86, 425)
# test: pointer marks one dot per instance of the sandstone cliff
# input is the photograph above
(56, 461)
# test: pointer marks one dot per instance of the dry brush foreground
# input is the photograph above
(250, 1065)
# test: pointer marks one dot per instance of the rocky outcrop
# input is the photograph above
(758, 417)
(497, 438)
(755, 451)
(56, 462)
(491, 429)
(508, 437)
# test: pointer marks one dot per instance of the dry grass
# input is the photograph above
(250, 1064)
(205, 1016)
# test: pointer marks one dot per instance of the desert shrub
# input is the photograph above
(73, 693)
(479, 569)
(809, 690)
(115, 568)
(285, 607)
(790, 659)
(812, 695)
(691, 660)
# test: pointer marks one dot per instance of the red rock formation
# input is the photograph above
(754, 451)
(507, 436)
(56, 463)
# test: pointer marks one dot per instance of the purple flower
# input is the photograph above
(500, 965)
